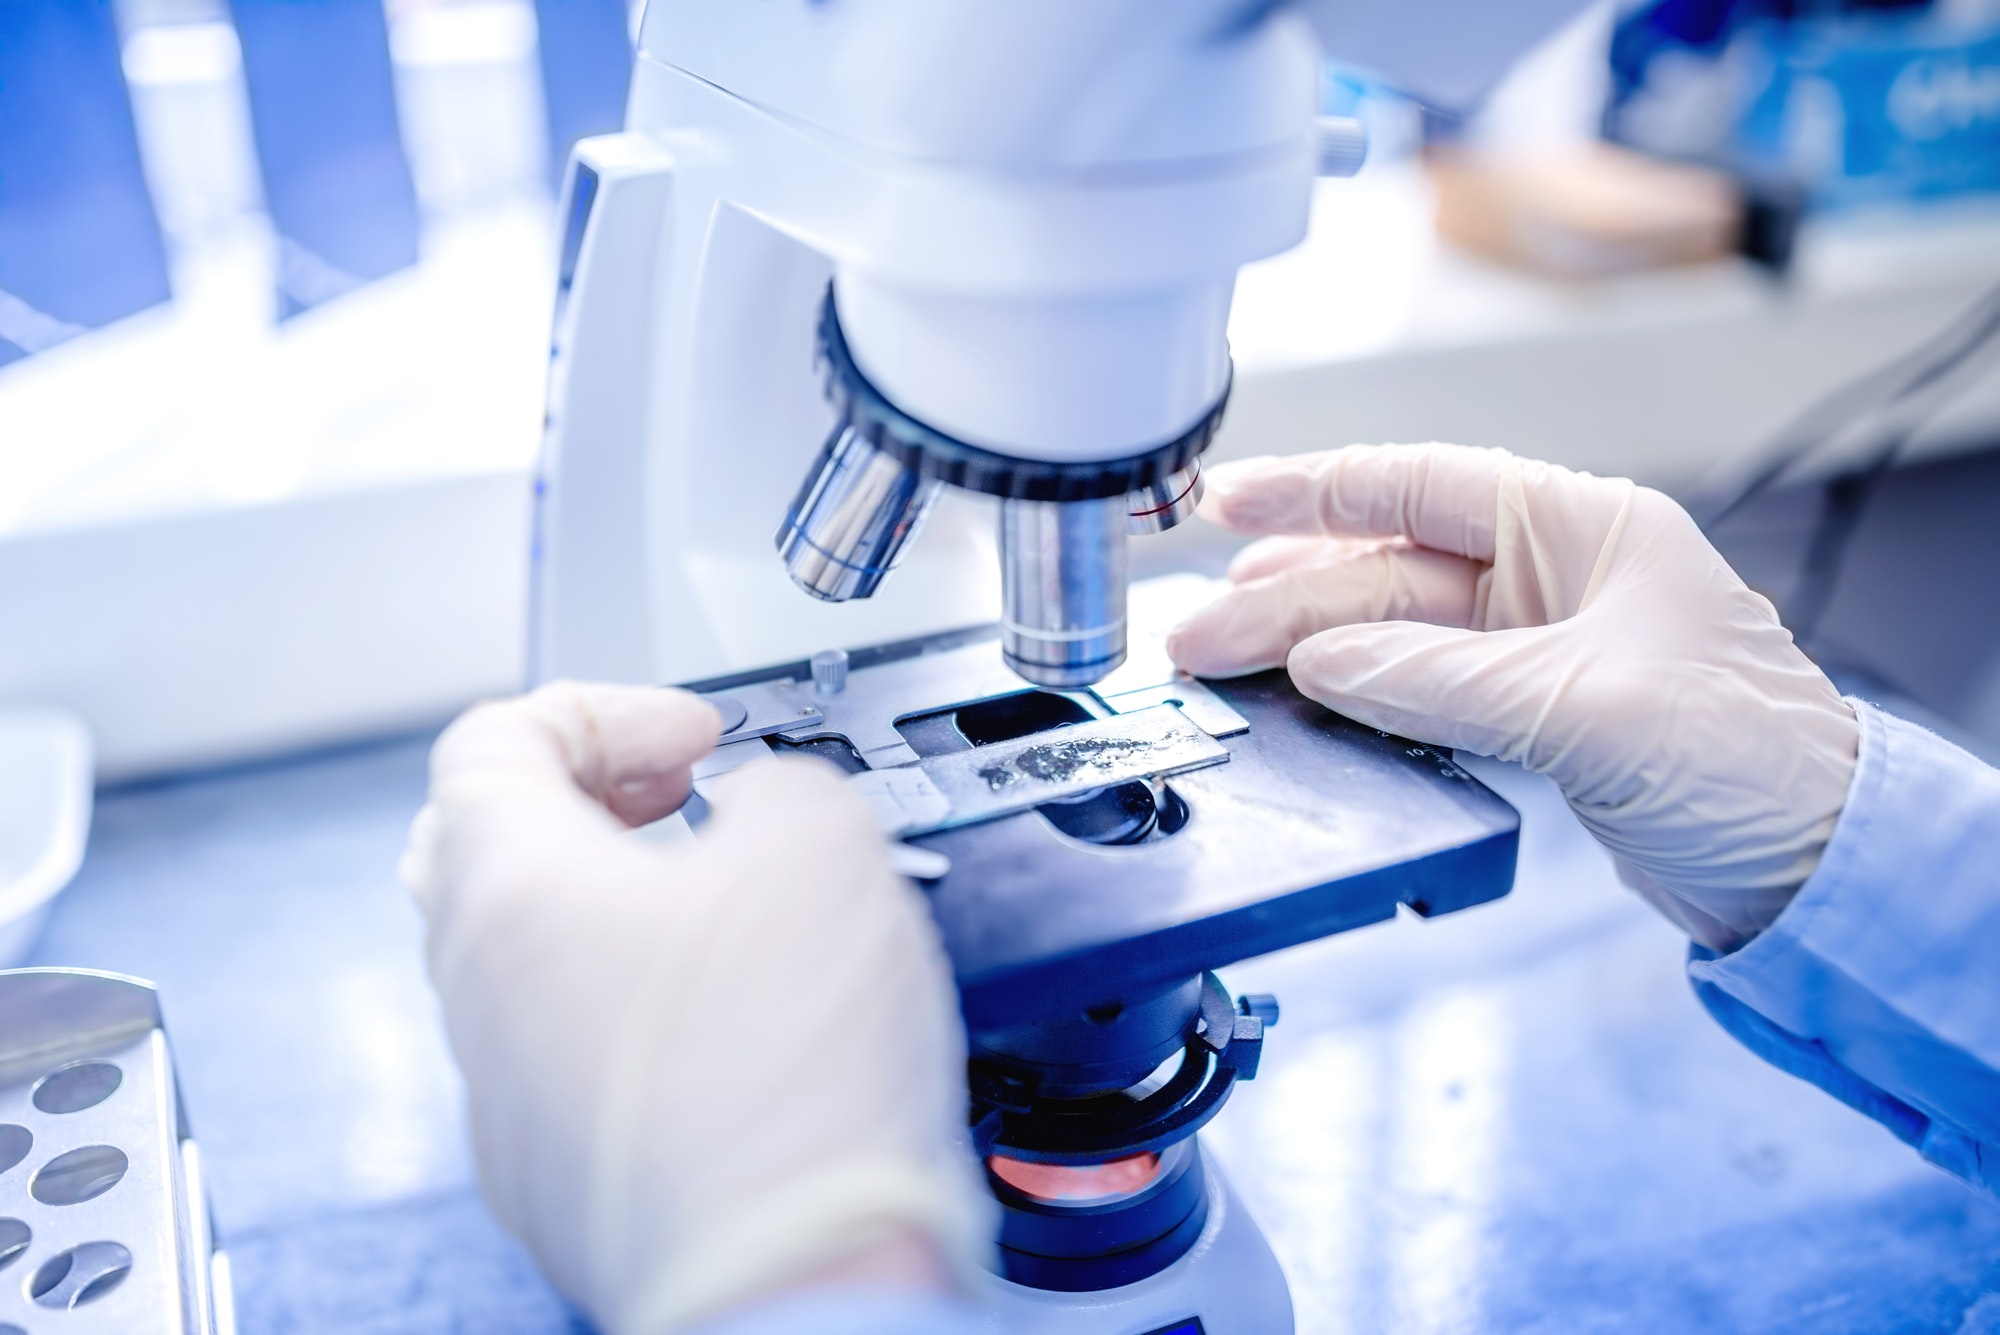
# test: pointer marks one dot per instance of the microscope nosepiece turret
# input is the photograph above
(1063, 525)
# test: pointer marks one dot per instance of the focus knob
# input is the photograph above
(829, 671)
(1342, 145)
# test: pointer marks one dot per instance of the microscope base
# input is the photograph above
(1229, 1280)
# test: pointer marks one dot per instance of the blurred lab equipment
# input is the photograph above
(1719, 124)
(103, 1206)
(1847, 102)
(1011, 271)
(45, 804)
(1585, 211)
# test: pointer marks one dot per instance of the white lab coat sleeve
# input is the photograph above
(1880, 981)
(835, 1311)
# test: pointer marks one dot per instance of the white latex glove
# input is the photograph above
(1580, 625)
(701, 1071)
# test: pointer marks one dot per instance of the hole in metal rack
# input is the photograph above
(78, 1176)
(83, 1274)
(15, 1236)
(77, 1086)
(6, 1329)
(15, 1142)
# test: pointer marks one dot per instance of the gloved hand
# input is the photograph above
(697, 1072)
(1580, 625)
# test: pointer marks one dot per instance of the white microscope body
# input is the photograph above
(1032, 215)
(944, 257)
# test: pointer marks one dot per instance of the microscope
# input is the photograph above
(879, 332)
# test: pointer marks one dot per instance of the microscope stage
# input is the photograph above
(1312, 825)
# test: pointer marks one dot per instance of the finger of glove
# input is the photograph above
(1256, 624)
(521, 787)
(627, 748)
(836, 964)
(1550, 534)
(795, 821)
(810, 884)
(1481, 691)
(1441, 496)
(1271, 556)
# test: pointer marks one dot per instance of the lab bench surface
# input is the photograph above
(1514, 1118)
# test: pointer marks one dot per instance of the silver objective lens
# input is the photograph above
(848, 525)
(1157, 508)
(1062, 589)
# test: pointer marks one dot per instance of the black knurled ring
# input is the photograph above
(936, 455)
